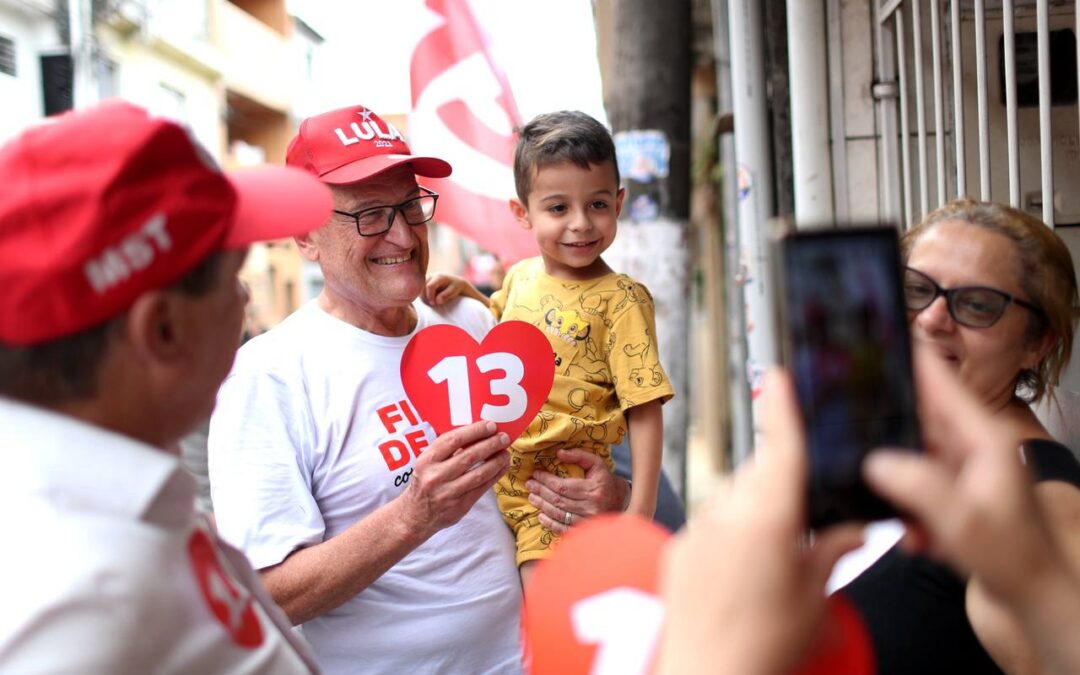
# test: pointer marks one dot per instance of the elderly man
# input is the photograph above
(382, 540)
(120, 316)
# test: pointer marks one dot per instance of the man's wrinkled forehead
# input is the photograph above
(389, 187)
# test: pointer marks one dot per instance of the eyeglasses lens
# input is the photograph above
(919, 292)
(977, 307)
(378, 220)
(974, 307)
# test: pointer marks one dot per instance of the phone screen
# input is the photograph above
(847, 345)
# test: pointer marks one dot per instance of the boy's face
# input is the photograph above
(572, 212)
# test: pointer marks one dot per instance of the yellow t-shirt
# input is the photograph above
(603, 335)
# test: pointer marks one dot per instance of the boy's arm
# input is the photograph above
(442, 288)
(646, 422)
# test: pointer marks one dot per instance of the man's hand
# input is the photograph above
(452, 473)
(442, 288)
(744, 590)
(449, 476)
(599, 491)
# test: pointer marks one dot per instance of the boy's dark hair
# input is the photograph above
(66, 369)
(564, 136)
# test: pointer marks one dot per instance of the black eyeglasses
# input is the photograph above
(971, 306)
(379, 219)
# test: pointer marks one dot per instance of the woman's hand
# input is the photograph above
(974, 505)
(743, 585)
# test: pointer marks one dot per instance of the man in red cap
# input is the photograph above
(120, 243)
(384, 541)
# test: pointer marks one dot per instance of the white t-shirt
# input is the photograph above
(312, 432)
(107, 568)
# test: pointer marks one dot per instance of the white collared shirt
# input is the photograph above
(107, 568)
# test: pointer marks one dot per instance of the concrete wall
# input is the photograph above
(259, 62)
(856, 188)
(860, 135)
(1063, 123)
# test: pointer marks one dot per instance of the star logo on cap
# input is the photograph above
(366, 114)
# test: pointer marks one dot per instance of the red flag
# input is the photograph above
(464, 112)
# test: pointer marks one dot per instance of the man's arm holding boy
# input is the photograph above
(600, 490)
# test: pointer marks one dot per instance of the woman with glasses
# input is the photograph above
(993, 291)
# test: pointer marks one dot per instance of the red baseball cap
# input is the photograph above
(102, 205)
(350, 144)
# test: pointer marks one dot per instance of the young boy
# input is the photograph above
(608, 379)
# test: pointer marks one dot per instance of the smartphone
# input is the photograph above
(845, 340)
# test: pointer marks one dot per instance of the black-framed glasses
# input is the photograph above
(971, 306)
(376, 220)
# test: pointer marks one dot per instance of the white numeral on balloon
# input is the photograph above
(454, 370)
(517, 400)
(625, 623)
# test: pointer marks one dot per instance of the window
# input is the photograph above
(105, 71)
(57, 82)
(7, 56)
(1062, 68)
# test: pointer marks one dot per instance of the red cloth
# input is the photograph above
(454, 75)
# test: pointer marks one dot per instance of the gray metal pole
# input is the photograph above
(958, 100)
(742, 430)
(1012, 129)
(754, 176)
(1046, 150)
(80, 25)
(939, 102)
(984, 115)
(885, 93)
(809, 80)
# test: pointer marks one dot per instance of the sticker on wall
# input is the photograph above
(744, 182)
(755, 376)
(644, 209)
(643, 155)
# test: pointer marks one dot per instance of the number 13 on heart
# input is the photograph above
(454, 371)
(453, 380)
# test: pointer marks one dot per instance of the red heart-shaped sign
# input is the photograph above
(453, 381)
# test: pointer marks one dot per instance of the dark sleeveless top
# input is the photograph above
(914, 607)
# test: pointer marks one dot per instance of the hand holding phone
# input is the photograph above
(846, 342)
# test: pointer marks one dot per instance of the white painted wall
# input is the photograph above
(151, 75)
(860, 143)
(20, 97)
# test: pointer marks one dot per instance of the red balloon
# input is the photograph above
(593, 606)
(843, 645)
(452, 380)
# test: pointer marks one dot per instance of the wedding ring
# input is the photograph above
(567, 518)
